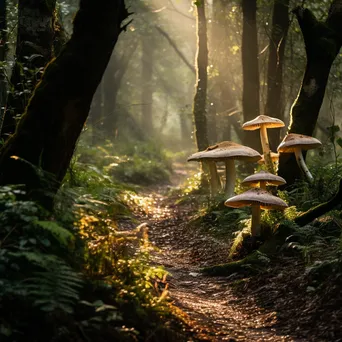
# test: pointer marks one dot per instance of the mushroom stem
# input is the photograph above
(302, 165)
(256, 219)
(262, 185)
(215, 184)
(266, 149)
(230, 177)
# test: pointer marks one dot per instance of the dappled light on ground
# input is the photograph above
(215, 311)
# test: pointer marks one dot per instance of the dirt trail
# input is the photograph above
(218, 314)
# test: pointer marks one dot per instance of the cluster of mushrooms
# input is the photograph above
(257, 197)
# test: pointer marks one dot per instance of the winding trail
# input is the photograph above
(217, 314)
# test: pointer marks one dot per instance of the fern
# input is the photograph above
(61, 234)
(57, 289)
(39, 259)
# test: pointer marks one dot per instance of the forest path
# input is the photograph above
(216, 313)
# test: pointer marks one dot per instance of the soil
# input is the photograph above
(273, 306)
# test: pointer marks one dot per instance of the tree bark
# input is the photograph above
(223, 95)
(323, 41)
(3, 50)
(200, 99)
(33, 51)
(250, 68)
(50, 127)
(274, 104)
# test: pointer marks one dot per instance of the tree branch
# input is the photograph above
(179, 53)
(320, 209)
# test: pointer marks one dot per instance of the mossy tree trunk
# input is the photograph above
(250, 69)
(323, 41)
(50, 127)
(3, 49)
(200, 99)
(34, 50)
(274, 104)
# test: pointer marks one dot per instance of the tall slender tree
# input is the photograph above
(147, 86)
(274, 105)
(200, 99)
(34, 50)
(250, 67)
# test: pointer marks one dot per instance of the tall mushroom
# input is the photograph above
(258, 199)
(274, 158)
(262, 179)
(263, 122)
(227, 152)
(214, 178)
(296, 143)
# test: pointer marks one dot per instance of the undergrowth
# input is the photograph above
(72, 274)
(314, 243)
(140, 163)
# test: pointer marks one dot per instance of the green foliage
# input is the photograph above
(77, 271)
(57, 288)
(136, 163)
(34, 270)
(63, 236)
(326, 180)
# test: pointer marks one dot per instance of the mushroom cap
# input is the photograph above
(263, 176)
(274, 158)
(262, 120)
(256, 197)
(292, 141)
(226, 150)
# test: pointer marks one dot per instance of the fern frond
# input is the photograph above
(57, 288)
(39, 259)
(62, 235)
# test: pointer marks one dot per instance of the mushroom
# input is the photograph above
(262, 179)
(258, 199)
(274, 158)
(296, 143)
(227, 151)
(263, 122)
(214, 179)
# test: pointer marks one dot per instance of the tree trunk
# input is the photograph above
(95, 116)
(323, 41)
(225, 99)
(50, 127)
(33, 51)
(200, 99)
(60, 34)
(250, 67)
(147, 87)
(3, 49)
(274, 104)
(112, 82)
